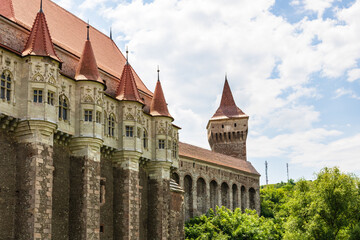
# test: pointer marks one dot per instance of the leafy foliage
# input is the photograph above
(327, 208)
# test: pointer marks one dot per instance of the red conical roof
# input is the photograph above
(87, 68)
(158, 105)
(127, 89)
(227, 107)
(39, 42)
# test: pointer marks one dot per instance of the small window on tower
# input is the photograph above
(161, 144)
(50, 98)
(234, 124)
(129, 131)
(38, 95)
(88, 116)
(222, 126)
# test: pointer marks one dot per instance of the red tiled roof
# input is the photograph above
(191, 151)
(6, 9)
(87, 68)
(67, 32)
(127, 89)
(227, 108)
(158, 105)
(39, 42)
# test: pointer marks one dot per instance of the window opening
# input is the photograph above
(38, 96)
(88, 116)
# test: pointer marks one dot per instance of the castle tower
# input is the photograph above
(228, 127)
(35, 133)
(84, 217)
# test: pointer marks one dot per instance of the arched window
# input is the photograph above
(111, 126)
(63, 107)
(252, 194)
(201, 196)
(225, 195)
(5, 86)
(145, 139)
(188, 197)
(175, 177)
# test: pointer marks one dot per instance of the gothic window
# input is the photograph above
(50, 98)
(63, 108)
(161, 144)
(5, 87)
(98, 117)
(145, 139)
(111, 126)
(88, 115)
(129, 131)
(38, 95)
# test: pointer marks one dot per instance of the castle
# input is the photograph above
(87, 151)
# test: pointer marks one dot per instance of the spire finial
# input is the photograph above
(225, 76)
(41, 6)
(88, 28)
(158, 71)
(127, 55)
(111, 33)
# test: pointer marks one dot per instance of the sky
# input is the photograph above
(293, 67)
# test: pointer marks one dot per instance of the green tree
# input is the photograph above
(327, 208)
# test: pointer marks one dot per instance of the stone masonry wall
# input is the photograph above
(8, 192)
(106, 207)
(84, 198)
(176, 228)
(159, 209)
(237, 149)
(143, 190)
(34, 183)
(126, 203)
(61, 193)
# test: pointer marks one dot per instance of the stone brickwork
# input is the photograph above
(34, 213)
(8, 191)
(61, 192)
(235, 149)
(144, 192)
(176, 227)
(106, 199)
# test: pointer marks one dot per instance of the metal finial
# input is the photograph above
(41, 6)
(158, 71)
(225, 76)
(127, 55)
(111, 33)
(88, 29)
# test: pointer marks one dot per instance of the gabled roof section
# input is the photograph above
(194, 152)
(158, 105)
(227, 108)
(39, 42)
(87, 68)
(127, 89)
(67, 31)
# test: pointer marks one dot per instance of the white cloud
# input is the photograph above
(353, 74)
(343, 92)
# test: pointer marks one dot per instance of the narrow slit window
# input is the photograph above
(111, 126)
(50, 98)
(98, 117)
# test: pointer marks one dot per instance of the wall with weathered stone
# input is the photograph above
(143, 190)
(61, 192)
(8, 191)
(106, 204)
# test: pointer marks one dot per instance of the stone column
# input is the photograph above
(231, 206)
(194, 195)
(207, 195)
(34, 179)
(126, 195)
(84, 217)
(159, 200)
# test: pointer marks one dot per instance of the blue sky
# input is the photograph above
(293, 66)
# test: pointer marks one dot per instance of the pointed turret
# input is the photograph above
(158, 105)
(39, 42)
(127, 89)
(87, 68)
(227, 108)
(228, 128)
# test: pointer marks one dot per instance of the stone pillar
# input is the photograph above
(84, 217)
(194, 195)
(231, 206)
(159, 200)
(207, 195)
(34, 179)
(126, 195)
(177, 212)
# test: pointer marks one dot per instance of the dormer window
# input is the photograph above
(129, 131)
(38, 95)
